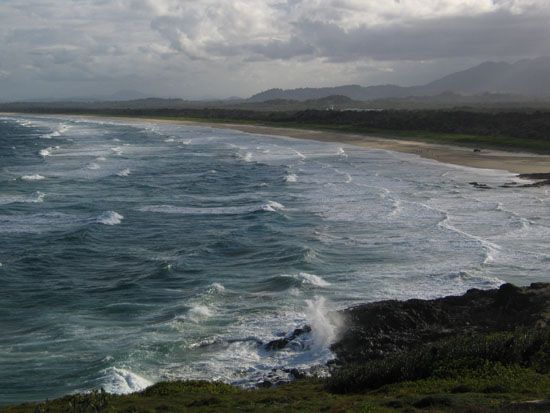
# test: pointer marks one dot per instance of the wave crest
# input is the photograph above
(33, 177)
(109, 218)
(122, 381)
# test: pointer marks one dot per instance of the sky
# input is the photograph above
(200, 49)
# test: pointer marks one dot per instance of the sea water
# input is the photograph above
(137, 252)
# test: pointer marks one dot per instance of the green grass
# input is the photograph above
(481, 373)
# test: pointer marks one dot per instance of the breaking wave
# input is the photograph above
(109, 218)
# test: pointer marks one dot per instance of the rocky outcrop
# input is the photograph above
(542, 179)
(377, 329)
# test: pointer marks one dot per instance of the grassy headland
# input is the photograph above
(492, 357)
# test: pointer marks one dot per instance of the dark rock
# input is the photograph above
(479, 186)
(535, 176)
(295, 373)
(378, 329)
(543, 179)
(281, 343)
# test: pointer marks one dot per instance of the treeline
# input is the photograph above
(517, 124)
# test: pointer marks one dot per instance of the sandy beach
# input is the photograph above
(515, 162)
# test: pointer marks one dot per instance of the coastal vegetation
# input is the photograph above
(482, 373)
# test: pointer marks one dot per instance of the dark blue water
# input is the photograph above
(132, 253)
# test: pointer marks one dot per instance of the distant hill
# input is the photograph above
(125, 95)
(528, 77)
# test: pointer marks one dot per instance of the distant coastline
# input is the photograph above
(521, 162)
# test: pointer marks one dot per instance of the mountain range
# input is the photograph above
(528, 77)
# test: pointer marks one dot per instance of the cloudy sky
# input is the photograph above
(220, 48)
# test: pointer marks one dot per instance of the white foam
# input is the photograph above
(45, 152)
(117, 150)
(109, 218)
(122, 381)
(34, 177)
(58, 132)
(341, 152)
(198, 313)
(272, 206)
(217, 287)
(300, 154)
(269, 206)
(491, 249)
(36, 197)
(308, 278)
(124, 172)
(291, 178)
(93, 166)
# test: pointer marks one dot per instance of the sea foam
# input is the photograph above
(291, 178)
(122, 381)
(124, 172)
(307, 278)
(34, 177)
(45, 152)
(109, 218)
(198, 313)
(272, 206)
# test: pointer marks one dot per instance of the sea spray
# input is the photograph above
(326, 324)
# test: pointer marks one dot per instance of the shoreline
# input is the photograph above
(513, 162)
(494, 159)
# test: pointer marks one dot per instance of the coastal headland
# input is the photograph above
(484, 351)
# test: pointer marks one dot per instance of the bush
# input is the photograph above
(448, 358)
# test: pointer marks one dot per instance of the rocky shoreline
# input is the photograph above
(381, 328)
(484, 351)
(375, 330)
(538, 180)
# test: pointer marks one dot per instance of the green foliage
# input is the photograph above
(168, 388)
(449, 359)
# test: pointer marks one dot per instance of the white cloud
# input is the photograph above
(209, 47)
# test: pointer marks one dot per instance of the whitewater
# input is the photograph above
(137, 252)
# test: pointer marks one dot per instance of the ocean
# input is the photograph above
(134, 252)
